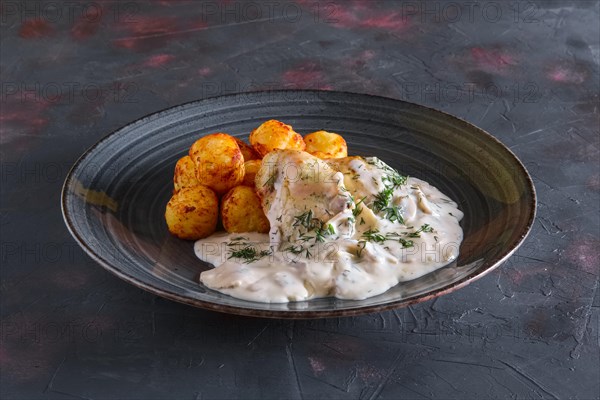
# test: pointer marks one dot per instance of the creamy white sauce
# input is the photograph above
(333, 232)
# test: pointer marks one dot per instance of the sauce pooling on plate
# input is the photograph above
(350, 228)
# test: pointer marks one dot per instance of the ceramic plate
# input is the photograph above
(114, 197)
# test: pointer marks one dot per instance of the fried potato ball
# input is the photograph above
(241, 211)
(273, 135)
(219, 162)
(251, 167)
(185, 174)
(247, 151)
(325, 144)
(192, 213)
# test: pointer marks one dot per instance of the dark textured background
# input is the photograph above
(525, 71)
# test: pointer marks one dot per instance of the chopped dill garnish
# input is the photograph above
(393, 214)
(305, 238)
(382, 199)
(373, 235)
(425, 228)
(357, 208)
(310, 223)
(406, 243)
(249, 254)
(394, 179)
(323, 231)
(330, 229)
(271, 180)
(391, 181)
(299, 250)
(295, 250)
(307, 220)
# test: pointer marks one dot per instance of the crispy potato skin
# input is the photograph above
(325, 144)
(185, 174)
(192, 213)
(251, 167)
(247, 151)
(219, 162)
(241, 211)
(272, 135)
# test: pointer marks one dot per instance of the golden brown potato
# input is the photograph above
(273, 135)
(192, 213)
(325, 144)
(247, 151)
(251, 168)
(219, 162)
(241, 211)
(185, 174)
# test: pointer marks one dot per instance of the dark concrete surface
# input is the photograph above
(525, 71)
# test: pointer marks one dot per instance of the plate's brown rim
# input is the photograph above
(300, 314)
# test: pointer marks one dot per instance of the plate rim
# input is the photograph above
(296, 314)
